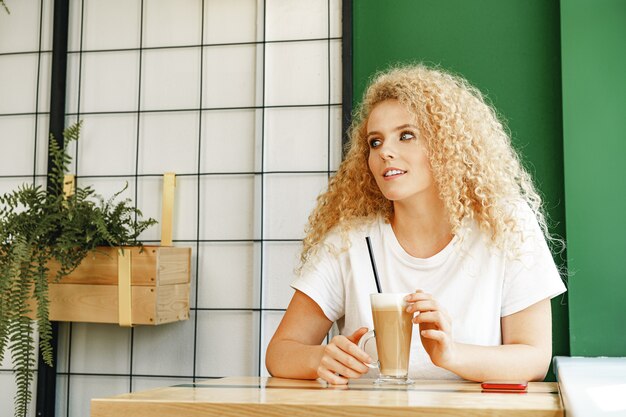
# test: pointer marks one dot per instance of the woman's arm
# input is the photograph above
(525, 352)
(295, 350)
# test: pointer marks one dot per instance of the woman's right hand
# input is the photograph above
(342, 359)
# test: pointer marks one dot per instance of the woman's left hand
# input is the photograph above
(435, 327)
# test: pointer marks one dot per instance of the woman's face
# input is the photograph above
(398, 156)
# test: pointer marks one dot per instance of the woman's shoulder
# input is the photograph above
(525, 217)
(343, 235)
(521, 208)
(528, 236)
(335, 246)
(523, 224)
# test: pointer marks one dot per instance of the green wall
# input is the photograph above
(594, 116)
(510, 50)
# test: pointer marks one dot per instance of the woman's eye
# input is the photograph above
(375, 143)
(407, 136)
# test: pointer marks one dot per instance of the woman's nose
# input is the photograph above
(386, 152)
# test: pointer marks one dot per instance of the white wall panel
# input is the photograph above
(227, 207)
(292, 139)
(168, 142)
(23, 25)
(103, 25)
(43, 121)
(170, 79)
(172, 23)
(227, 343)
(107, 145)
(73, 79)
(296, 73)
(163, 350)
(289, 200)
(108, 81)
(21, 160)
(104, 348)
(231, 21)
(45, 69)
(18, 83)
(229, 141)
(230, 78)
(85, 387)
(280, 261)
(228, 274)
(289, 20)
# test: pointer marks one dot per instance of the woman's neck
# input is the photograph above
(422, 227)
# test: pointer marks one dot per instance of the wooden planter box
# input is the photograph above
(153, 289)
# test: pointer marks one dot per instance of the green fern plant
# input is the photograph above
(36, 227)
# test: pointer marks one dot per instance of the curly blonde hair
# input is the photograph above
(477, 171)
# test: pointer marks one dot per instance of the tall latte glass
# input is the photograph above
(393, 328)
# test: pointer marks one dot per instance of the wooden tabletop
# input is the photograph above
(255, 396)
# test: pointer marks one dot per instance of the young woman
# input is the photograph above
(455, 222)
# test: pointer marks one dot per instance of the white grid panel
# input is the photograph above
(242, 99)
(25, 60)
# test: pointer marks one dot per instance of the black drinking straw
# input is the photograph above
(369, 248)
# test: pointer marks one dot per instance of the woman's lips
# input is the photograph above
(393, 173)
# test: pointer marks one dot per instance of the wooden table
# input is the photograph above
(254, 396)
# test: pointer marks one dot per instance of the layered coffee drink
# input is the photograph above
(393, 328)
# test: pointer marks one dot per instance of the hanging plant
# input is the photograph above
(36, 228)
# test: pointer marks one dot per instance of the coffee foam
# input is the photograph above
(388, 300)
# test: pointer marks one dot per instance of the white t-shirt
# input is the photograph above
(471, 279)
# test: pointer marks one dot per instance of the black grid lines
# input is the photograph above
(240, 274)
(232, 208)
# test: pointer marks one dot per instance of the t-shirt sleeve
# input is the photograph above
(532, 275)
(321, 279)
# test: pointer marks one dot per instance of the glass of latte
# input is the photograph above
(393, 328)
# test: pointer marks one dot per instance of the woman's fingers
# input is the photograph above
(417, 296)
(438, 318)
(419, 301)
(423, 305)
(357, 335)
(331, 377)
(342, 368)
(343, 360)
(349, 354)
(348, 345)
(428, 311)
(435, 326)
(436, 335)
